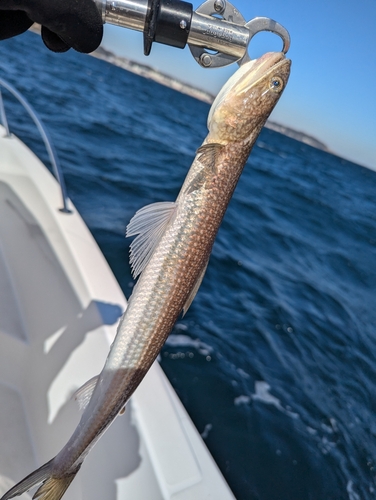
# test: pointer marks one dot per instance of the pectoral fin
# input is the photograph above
(149, 224)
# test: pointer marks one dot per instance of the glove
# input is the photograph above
(65, 23)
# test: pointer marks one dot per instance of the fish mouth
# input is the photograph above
(248, 75)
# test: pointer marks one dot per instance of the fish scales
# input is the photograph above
(170, 253)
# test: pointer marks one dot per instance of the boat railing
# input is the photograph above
(44, 134)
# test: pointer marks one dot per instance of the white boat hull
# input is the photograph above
(59, 308)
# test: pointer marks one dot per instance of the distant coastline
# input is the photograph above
(297, 135)
(152, 74)
(148, 72)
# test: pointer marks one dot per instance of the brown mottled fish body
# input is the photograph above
(170, 253)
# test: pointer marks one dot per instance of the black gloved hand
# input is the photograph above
(65, 23)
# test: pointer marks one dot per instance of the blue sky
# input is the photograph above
(332, 90)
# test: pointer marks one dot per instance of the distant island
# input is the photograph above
(298, 136)
(152, 74)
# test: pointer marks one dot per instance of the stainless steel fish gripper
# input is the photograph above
(229, 35)
(216, 26)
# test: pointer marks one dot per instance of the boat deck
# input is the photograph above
(59, 309)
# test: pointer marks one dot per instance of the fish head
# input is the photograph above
(248, 97)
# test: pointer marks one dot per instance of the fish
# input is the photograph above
(169, 255)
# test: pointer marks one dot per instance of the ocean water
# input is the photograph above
(275, 360)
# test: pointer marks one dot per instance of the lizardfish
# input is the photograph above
(169, 254)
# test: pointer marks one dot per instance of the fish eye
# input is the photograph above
(276, 84)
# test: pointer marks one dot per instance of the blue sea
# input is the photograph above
(276, 359)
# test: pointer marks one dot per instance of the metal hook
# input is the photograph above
(259, 24)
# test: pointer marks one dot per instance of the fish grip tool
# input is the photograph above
(216, 26)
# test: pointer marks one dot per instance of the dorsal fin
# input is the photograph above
(149, 224)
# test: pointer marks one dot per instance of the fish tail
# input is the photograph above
(53, 488)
